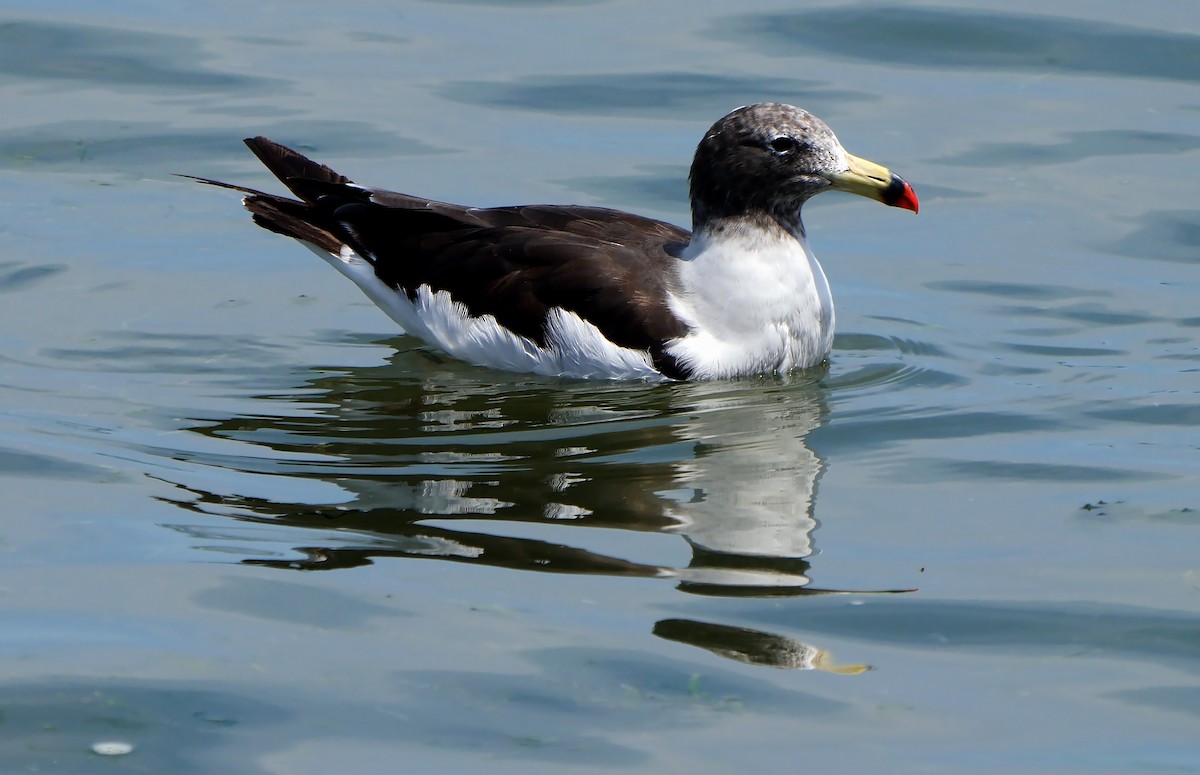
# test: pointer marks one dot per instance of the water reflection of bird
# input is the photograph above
(753, 647)
(432, 467)
(592, 292)
(447, 467)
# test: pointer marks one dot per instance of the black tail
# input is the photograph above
(303, 177)
(289, 166)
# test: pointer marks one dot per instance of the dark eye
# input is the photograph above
(784, 144)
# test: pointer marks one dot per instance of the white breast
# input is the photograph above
(757, 302)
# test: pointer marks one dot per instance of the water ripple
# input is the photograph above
(107, 56)
(893, 376)
(1163, 235)
(17, 277)
(649, 93)
(947, 38)
(1076, 146)
(1024, 291)
(145, 148)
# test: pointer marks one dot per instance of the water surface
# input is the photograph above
(967, 544)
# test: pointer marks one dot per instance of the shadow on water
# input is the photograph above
(510, 474)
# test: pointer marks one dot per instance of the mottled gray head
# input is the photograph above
(769, 158)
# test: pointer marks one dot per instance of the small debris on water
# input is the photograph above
(112, 748)
(1100, 507)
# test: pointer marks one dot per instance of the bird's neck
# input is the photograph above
(754, 226)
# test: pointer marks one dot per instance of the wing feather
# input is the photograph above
(613, 269)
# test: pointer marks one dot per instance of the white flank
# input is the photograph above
(574, 347)
(757, 302)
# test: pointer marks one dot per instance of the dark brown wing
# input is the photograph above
(612, 268)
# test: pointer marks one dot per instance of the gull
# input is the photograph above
(592, 292)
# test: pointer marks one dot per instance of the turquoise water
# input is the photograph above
(969, 544)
